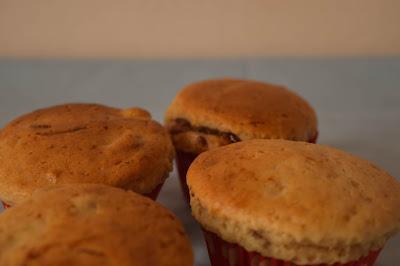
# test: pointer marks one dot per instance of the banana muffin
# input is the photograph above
(279, 202)
(83, 143)
(214, 113)
(91, 224)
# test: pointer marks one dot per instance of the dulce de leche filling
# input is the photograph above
(198, 138)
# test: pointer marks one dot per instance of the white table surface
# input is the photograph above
(357, 100)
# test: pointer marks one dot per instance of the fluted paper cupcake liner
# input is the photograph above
(223, 253)
(154, 194)
(183, 161)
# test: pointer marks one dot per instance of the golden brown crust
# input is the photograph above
(295, 201)
(83, 143)
(246, 108)
(87, 224)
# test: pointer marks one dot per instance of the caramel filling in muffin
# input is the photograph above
(181, 125)
(197, 139)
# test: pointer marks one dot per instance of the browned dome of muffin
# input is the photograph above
(217, 112)
(305, 203)
(83, 143)
(91, 225)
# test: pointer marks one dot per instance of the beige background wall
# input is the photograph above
(198, 28)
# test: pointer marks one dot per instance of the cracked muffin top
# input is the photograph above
(305, 203)
(91, 225)
(83, 143)
(214, 113)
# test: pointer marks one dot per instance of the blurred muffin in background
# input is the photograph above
(90, 224)
(214, 113)
(83, 143)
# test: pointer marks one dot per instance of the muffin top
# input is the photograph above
(214, 113)
(91, 224)
(294, 201)
(83, 143)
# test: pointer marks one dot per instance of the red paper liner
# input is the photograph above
(154, 194)
(314, 138)
(185, 159)
(223, 253)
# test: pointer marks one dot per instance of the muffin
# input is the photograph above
(214, 113)
(91, 224)
(279, 202)
(83, 143)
